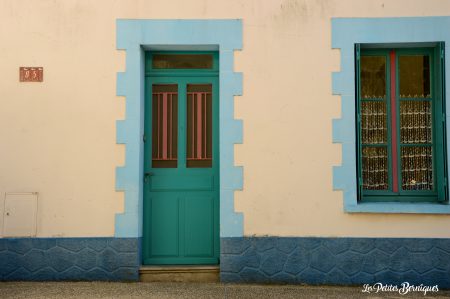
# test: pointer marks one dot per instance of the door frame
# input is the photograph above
(138, 36)
(181, 78)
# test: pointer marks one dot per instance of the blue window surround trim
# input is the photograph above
(345, 33)
(136, 36)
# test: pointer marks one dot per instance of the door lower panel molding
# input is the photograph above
(182, 182)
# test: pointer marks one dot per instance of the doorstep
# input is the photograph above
(179, 273)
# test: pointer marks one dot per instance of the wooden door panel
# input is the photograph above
(164, 215)
(181, 190)
(199, 226)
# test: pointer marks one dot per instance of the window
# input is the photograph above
(182, 61)
(400, 124)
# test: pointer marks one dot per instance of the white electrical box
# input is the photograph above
(20, 214)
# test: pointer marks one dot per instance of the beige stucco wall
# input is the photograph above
(58, 137)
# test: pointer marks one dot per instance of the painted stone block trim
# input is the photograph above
(44, 259)
(134, 36)
(339, 261)
(346, 32)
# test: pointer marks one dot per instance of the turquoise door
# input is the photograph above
(181, 179)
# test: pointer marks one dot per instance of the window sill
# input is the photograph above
(396, 208)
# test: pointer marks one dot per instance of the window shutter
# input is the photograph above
(443, 189)
(358, 120)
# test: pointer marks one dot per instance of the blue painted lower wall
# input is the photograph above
(341, 261)
(69, 259)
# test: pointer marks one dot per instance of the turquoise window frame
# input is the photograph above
(346, 33)
(439, 161)
(138, 36)
(168, 72)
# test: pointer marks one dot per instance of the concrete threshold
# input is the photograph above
(179, 273)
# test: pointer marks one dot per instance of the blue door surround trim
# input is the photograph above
(346, 32)
(136, 36)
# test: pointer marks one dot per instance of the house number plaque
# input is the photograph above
(31, 74)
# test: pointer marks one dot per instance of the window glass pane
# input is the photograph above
(373, 77)
(417, 167)
(164, 126)
(373, 122)
(375, 168)
(414, 76)
(415, 122)
(182, 61)
(199, 125)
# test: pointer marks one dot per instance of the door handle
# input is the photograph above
(147, 175)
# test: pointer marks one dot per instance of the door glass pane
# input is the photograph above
(182, 61)
(373, 77)
(373, 122)
(199, 125)
(164, 125)
(414, 76)
(417, 167)
(375, 168)
(415, 122)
